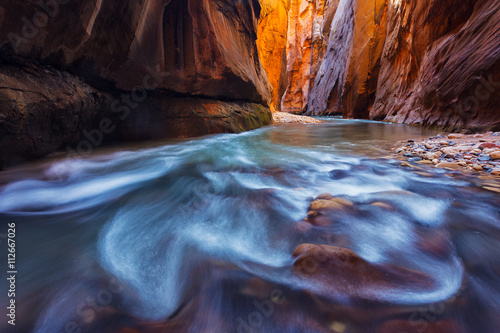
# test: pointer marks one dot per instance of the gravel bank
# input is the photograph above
(474, 152)
(288, 118)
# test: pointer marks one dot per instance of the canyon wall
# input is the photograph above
(441, 65)
(271, 44)
(130, 54)
(429, 62)
(308, 34)
(198, 47)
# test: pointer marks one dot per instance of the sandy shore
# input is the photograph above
(474, 152)
(288, 118)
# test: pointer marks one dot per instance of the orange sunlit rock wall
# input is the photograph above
(308, 30)
(271, 44)
(427, 62)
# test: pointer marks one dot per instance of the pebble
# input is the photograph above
(495, 155)
(449, 151)
(477, 167)
(331, 204)
(432, 156)
(448, 165)
(488, 145)
(468, 152)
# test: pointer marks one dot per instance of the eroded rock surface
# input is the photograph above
(200, 48)
(271, 43)
(43, 109)
(145, 56)
(441, 72)
(429, 63)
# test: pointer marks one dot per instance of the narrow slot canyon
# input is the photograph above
(250, 166)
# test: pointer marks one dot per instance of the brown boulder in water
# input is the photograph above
(340, 271)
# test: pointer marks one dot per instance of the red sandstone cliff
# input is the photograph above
(100, 59)
(199, 47)
(429, 62)
(271, 44)
(443, 72)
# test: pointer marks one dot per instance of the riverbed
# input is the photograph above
(197, 235)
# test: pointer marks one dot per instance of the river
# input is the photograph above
(197, 235)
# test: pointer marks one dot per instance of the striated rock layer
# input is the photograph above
(147, 51)
(429, 62)
(200, 47)
(43, 110)
(308, 31)
(448, 71)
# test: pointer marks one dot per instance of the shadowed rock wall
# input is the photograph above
(128, 54)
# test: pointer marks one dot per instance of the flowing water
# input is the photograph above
(197, 236)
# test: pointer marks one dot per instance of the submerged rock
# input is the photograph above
(323, 209)
(340, 271)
